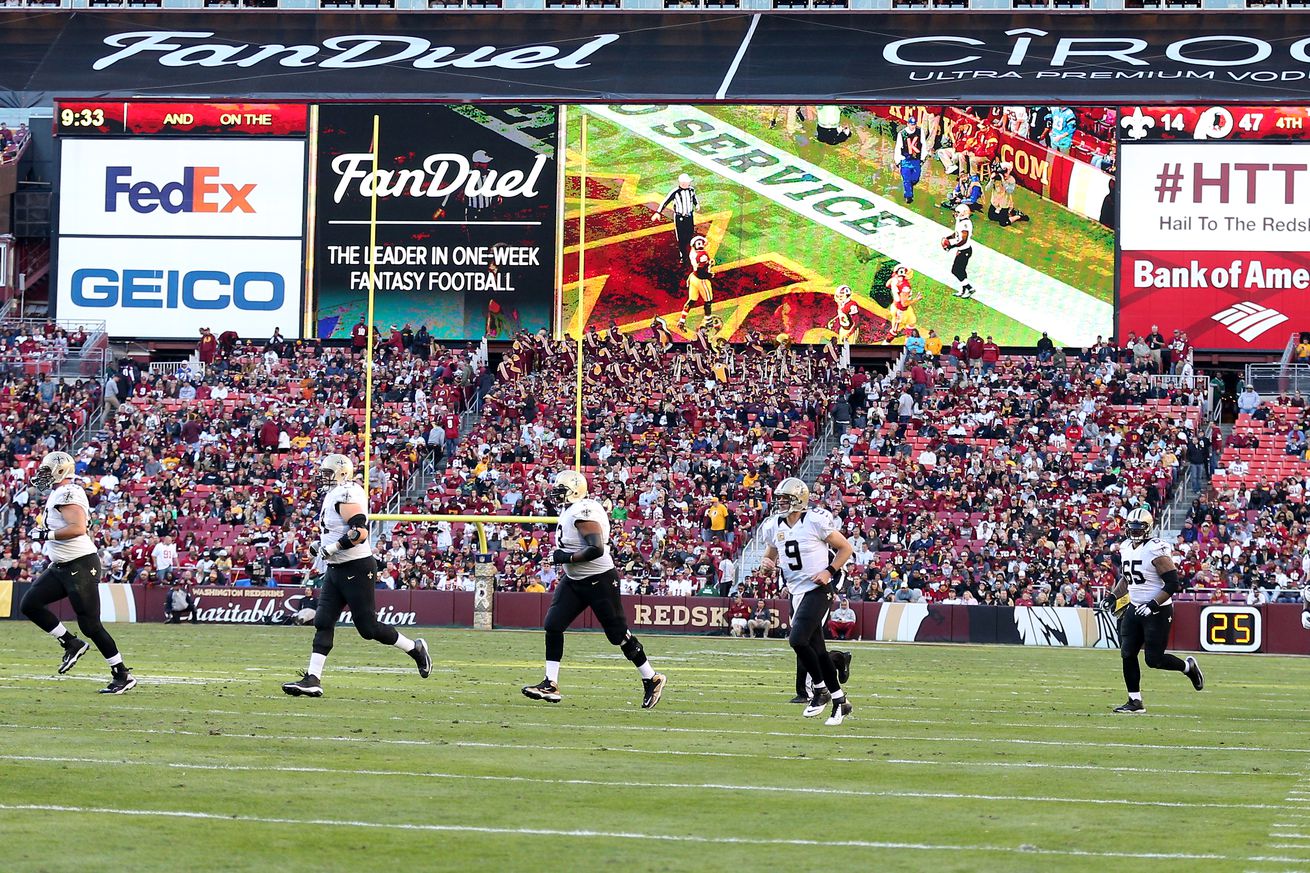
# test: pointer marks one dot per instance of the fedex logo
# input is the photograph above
(200, 190)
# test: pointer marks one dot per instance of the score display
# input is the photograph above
(110, 117)
(1230, 629)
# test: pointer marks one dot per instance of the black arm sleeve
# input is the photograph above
(1171, 582)
(593, 550)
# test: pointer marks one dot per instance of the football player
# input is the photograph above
(1305, 607)
(807, 545)
(74, 572)
(903, 300)
(588, 581)
(846, 323)
(699, 289)
(1148, 570)
(961, 242)
(351, 577)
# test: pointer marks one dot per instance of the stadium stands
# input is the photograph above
(1002, 487)
(666, 434)
(229, 450)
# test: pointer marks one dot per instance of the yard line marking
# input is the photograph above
(613, 835)
(665, 730)
(1037, 765)
(694, 786)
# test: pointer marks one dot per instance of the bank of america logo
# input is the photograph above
(1249, 320)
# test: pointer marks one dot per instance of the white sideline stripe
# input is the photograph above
(1008, 286)
(667, 730)
(693, 786)
(612, 835)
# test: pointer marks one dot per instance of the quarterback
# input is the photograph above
(806, 544)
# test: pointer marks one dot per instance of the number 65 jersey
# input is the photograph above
(802, 548)
(1137, 565)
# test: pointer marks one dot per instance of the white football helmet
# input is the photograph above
(842, 294)
(55, 468)
(962, 210)
(790, 496)
(902, 270)
(568, 487)
(698, 243)
(1140, 523)
(335, 470)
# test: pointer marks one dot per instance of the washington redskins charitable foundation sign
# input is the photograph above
(1101, 57)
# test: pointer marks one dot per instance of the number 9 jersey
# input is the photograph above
(803, 551)
(1137, 566)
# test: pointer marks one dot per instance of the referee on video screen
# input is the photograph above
(685, 205)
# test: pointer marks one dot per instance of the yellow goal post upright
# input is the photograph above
(484, 587)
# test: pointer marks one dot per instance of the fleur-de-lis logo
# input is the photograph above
(1137, 124)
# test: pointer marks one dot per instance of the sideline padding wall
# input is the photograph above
(1276, 626)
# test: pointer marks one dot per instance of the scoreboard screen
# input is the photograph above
(178, 216)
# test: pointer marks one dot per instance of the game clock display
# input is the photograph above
(1230, 629)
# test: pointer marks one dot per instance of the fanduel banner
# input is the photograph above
(1213, 241)
(466, 219)
(1101, 56)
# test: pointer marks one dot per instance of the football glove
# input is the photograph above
(322, 552)
(1146, 609)
(946, 243)
(561, 556)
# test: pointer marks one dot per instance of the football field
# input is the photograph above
(955, 758)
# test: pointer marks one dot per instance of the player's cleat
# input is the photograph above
(842, 661)
(652, 690)
(818, 703)
(1132, 707)
(422, 658)
(1193, 672)
(307, 685)
(74, 649)
(799, 698)
(840, 709)
(543, 690)
(959, 293)
(121, 681)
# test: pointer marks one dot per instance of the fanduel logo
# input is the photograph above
(198, 191)
(180, 48)
(252, 291)
(432, 180)
(1249, 320)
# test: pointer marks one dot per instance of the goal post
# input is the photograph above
(484, 590)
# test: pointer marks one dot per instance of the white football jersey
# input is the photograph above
(77, 547)
(567, 537)
(803, 551)
(332, 526)
(1137, 565)
(963, 225)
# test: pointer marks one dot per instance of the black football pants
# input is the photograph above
(78, 580)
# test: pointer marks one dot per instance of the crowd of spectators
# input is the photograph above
(205, 475)
(12, 141)
(1246, 536)
(973, 478)
(680, 444)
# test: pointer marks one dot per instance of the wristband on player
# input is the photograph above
(833, 571)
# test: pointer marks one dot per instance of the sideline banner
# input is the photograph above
(969, 57)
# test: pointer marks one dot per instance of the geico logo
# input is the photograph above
(199, 191)
(173, 289)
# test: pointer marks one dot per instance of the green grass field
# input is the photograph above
(956, 758)
(1057, 242)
